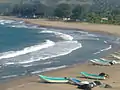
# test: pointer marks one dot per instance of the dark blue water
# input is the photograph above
(36, 49)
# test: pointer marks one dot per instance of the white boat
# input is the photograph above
(99, 62)
(115, 56)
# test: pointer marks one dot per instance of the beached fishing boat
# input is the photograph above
(100, 62)
(116, 56)
(53, 79)
(101, 76)
(105, 60)
(113, 61)
(74, 81)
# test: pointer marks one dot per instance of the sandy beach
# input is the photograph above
(34, 83)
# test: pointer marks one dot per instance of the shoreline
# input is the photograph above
(33, 82)
(98, 28)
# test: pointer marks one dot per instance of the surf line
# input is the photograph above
(110, 46)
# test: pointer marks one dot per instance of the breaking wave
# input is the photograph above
(9, 76)
(26, 50)
(64, 36)
(59, 49)
(108, 48)
(6, 21)
(34, 54)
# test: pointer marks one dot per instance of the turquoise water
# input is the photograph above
(37, 49)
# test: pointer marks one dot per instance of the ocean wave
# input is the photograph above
(28, 65)
(9, 63)
(26, 50)
(24, 26)
(117, 41)
(81, 35)
(9, 76)
(62, 35)
(6, 21)
(88, 38)
(59, 49)
(44, 63)
(82, 32)
(91, 35)
(18, 24)
(105, 42)
(108, 48)
(48, 69)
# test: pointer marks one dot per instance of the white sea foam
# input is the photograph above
(47, 62)
(97, 52)
(29, 65)
(18, 26)
(62, 35)
(117, 41)
(81, 35)
(87, 38)
(6, 21)
(24, 26)
(9, 63)
(87, 34)
(108, 48)
(2, 23)
(34, 54)
(60, 49)
(82, 32)
(92, 35)
(48, 69)
(105, 41)
(9, 76)
(26, 50)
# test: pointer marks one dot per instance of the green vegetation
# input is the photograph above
(63, 10)
(93, 11)
(77, 12)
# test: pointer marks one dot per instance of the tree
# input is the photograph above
(63, 10)
(93, 17)
(29, 9)
(77, 12)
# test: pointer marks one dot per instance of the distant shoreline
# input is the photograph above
(102, 28)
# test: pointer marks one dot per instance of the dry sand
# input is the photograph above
(33, 82)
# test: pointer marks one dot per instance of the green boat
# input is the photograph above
(53, 79)
(92, 76)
